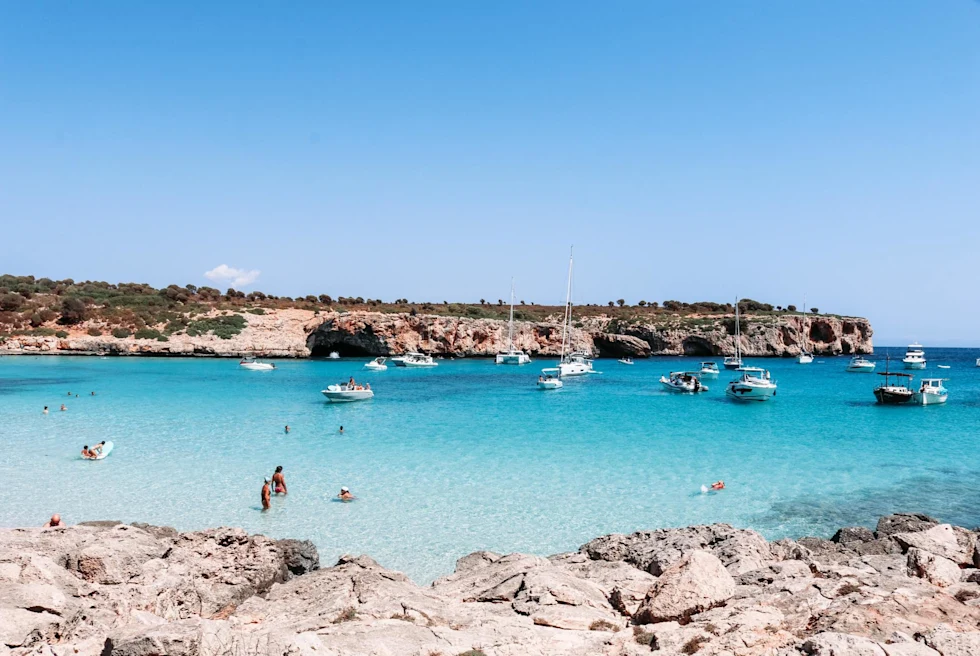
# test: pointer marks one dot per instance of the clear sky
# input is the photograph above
(691, 150)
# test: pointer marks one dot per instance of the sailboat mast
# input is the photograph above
(804, 322)
(567, 319)
(738, 341)
(510, 330)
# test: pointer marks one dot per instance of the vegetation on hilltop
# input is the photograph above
(30, 305)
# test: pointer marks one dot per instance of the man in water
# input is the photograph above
(345, 495)
(54, 522)
(86, 453)
(45, 410)
(266, 495)
(279, 481)
(341, 430)
(63, 408)
(287, 428)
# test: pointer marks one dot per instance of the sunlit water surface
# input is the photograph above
(471, 456)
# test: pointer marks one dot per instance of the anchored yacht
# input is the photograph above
(754, 384)
(915, 357)
(931, 392)
(512, 355)
(860, 365)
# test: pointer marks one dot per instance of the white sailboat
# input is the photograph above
(571, 364)
(512, 355)
(735, 361)
(805, 356)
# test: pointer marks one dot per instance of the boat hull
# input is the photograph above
(732, 365)
(574, 369)
(861, 369)
(804, 359)
(889, 396)
(741, 391)
(550, 384)
(376, 367)
(922, 398)
(513, 358)
(915, 364)
(336, 394)
(418, 365)
(257, 366)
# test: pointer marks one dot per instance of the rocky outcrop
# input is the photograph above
(294, 333)
(111, 589)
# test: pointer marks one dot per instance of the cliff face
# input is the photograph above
(302, 333)
(909, 588)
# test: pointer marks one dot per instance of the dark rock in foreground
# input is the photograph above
(910, 588)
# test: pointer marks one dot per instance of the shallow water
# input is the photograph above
(471, 455)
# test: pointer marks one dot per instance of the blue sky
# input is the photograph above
(691, 150)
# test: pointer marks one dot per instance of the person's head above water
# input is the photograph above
(266, 480)
(344, 489)
(278, 469)
(85, 447)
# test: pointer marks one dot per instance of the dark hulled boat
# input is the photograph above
(897, 392)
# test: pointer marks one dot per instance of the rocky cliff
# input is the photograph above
(909, 588)
(302, 333)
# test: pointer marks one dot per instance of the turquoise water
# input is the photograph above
(472, 456)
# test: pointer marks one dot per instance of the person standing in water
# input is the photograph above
(279, 481)
(266, 496)
(341, 430)
(45, 411)
(287, 428)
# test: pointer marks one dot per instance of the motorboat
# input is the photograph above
(377, 364)
(334, 355)
(805, 356)
(254, 365)
(754, 384)
(897, 388)
(577, 363)
(626, 361)
(549, 380)
(860, 365)
(415, 360)
(735, 361)
(512, 355)
(347, 392)
(915, 357)
(683, 381)
(931, 392)
(709, 370)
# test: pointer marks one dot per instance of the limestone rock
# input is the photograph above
(853, 534)
(696, 583)
(952, 643)
(904, 523)
(941, 540)
(841, 644)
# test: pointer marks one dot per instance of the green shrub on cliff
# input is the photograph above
(121, 333)
(224, 327)
(94, 332)
(61, 334)
(148, 333)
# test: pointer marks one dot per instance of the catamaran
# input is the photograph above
(805, 356)
(735, 361)
(512, 355)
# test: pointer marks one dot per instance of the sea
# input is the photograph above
(471, 455)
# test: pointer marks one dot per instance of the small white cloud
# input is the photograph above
(235, 277)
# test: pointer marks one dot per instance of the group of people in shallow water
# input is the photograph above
(277, 485)
(63, 406)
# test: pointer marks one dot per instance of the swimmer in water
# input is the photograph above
(287, 428)
(54, 522)
(279, 481)
(93, 393)
(266, 495)
(719, 485)
(63, 408)
(345, 495)
(341, 430)
(45, 411)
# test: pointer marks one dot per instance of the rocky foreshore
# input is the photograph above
(909, 588)
(295, 333)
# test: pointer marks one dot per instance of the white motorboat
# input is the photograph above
(377, 364)
(254, 365)
(549, 380)
(754, 384)
(626, 361)
(709, 370)
(512, 355)
(683, 381)
(577, 363)
(416, 360)
(860, 365)
(931, 392)
(735, 361)
(334, 355)
(805, 356)
(346, 392)
(978, 362)
(915, 357)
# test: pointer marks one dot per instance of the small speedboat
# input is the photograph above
(915, 357)
(345, 392)
(683, 381)
(860, 365)
(626, 361)
(576, 364)
(550, 381)
(254, 365)
(754, 384)
(709, 370)
(377, 364)
(805, 357)
(416, 360)
(931, 392)
(732, 362)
